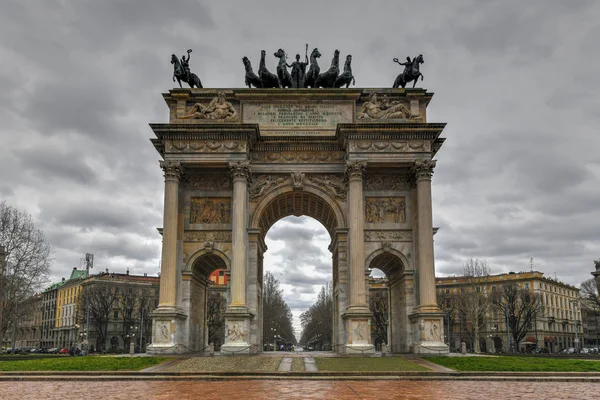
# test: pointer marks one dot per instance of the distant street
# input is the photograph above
(298, 389)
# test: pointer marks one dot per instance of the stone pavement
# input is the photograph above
(309, 389)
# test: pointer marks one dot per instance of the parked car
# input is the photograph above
(63, 351)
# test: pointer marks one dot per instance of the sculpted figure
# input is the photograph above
(251, 78)
(346, 77)
(327, 78)
(411, 71)
(268, 79)
(218, 108)
(299, 69)
(314, 69)
(375, 109)
(284, 76)
(181, 71)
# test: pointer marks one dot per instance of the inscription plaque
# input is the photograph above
(298, 118)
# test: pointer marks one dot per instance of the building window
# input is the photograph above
(447, 291)
(526, 285)
(116, 315)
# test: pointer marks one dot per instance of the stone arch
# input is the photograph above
(195, 294)
(385, 259)
(214, 255)
(310, 201)
(393, 264)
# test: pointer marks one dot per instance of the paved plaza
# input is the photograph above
(299, 389)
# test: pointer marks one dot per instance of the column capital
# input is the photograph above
(172, 170)
(423, 169)
(240, 170)
(356, 169)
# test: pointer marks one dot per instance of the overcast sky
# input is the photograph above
(517, 82)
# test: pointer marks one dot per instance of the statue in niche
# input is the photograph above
(411, 71)
(181, 71)
(218, 108)
(383, 109)
(299, 70)
(346, 77)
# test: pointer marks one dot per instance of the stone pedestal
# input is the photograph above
(358, 333)
(168, 331)
(428, 330)
(237, 332)
(131, 348)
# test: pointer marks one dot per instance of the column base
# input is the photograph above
(237, 331)
(357, 321)
(167, 331)
(427, 331)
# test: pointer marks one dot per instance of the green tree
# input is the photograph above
(277, 316)
(317, 321)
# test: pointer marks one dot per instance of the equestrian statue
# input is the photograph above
(268, 79)
(346, 77)
(285, 79)
(181, 71)
(314, 69)
(411, 71)
(251, 78)
(327, 78)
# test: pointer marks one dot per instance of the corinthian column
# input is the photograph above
(423, 170)
(355, 171)
(240, 173)
(168, 266)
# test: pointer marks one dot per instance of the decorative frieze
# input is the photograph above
(381, 235)
(203, 181)
(332, 184)
(210, 210)
(385, 209)
(205, 146)
(387, 182)
(395, 146)
(207, 236)
(297, 156)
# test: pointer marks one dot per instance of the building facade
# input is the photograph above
(557, 327)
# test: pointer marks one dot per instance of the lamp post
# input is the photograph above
(575, 303)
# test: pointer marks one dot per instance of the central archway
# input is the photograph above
(312, 202)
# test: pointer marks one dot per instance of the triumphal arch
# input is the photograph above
(236, 161)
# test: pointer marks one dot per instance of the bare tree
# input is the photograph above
(317, 321)
(129, 297)
(520, 307)
(99, 299)
(27, 262)
(379, 318)
(277, 316)
(215, 317)
(589, 293)
(472, 302)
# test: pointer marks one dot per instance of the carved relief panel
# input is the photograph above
(207, 181)
(333, 184)
(215, 210)
(387, 182)
(385, 209)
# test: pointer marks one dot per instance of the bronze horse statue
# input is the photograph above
(327, 78)
(251, 78)
(181, 74)
(285, 79)
(313, 71)
(268, 79)
(411, 71)
(346, 77)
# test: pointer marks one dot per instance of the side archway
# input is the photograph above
(204, 322)
(390, 328)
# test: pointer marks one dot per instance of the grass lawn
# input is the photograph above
(228, 364)
(91, 363)
(298, 364)
(367, 364)
(509, 363)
